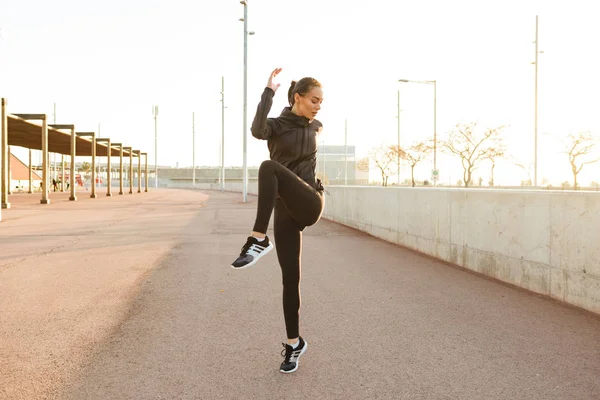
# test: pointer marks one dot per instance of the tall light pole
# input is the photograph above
(155, 114)
(535, 128)
(245, 117)
(193, 152)
(54, 175)
(435, 170)
(222, 133)
(398, 137)
(97, 180)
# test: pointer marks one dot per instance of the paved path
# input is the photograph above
(131, 298)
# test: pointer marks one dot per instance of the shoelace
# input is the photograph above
(286, 353)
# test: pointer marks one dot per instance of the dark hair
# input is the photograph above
(301, 87)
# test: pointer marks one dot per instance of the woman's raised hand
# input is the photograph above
(270, 83)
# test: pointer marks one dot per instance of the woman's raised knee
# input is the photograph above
(267, 166)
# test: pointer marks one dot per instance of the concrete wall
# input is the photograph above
(547, 242)
(544, 241)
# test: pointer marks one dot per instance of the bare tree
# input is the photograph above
(363, 164)
(493, 155)
(577, 147)
(472, 145)
(383, 157)
(414, 154)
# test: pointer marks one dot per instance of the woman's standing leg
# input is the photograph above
(288, 236)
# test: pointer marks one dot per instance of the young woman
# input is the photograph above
(287, 184)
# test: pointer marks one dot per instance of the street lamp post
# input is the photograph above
(535, 134)
(193, 151)
(155, 115)
(434, 117)
(245, 118)
(398, 137)
(222, 133)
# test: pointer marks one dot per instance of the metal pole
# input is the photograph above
(62, 166)
(4, 156)
(109, 170)
(155, 111)
(435, 129)
(139, 171)
(193, 152)
(222, 133)
(55, 175)
(130, 168)
(98, 164)
(245, 160)
(535, 151)
(121, 168)
(3, 133)
(146, 174)
(45, 166)
(30, 172)
(94, 176)
(9, 171)
(398, 137)
(108, 165)
(72, 179)
(346, 152)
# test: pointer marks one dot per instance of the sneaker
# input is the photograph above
(252, 251)
(292, 356)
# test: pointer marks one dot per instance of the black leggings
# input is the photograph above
(297, 205)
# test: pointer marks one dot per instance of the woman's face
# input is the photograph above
(309, 105)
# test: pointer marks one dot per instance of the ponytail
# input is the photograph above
(291, 93)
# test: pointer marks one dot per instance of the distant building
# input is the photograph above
(331, 164)
(19, 176)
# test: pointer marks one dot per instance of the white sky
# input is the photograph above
(109, 62)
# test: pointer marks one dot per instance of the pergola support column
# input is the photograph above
(130, 168)
(4, 160)
(45, 163)
(139, 174)
(72, 180)
(145, 172)
(108, 177)
(62, 167)
(120, 167)
(30, 171)
(94, 177)
(9, 187)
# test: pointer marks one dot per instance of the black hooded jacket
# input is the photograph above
(292, 139)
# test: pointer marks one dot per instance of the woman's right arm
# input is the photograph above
(263, 127)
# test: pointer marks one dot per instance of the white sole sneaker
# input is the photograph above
(297, 361)
(258, 257)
